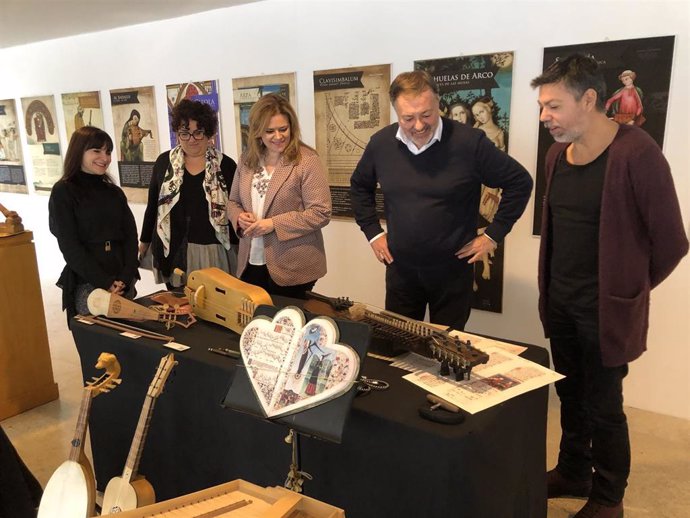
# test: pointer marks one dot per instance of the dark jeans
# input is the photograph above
(259, 276)
(447, 289)
(594, 426)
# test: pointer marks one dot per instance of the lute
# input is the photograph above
(71, 490)
(131, 490)
(217, 296)
(103, 303)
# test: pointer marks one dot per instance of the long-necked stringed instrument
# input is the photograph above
(103, 303)
(400, 333)
(71, 490)
(217, 296)
(132, 490)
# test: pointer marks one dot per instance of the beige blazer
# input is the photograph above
(298, 201)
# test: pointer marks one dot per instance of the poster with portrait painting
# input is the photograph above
(202, 91)
(43, 141)
(638, 76)
(136, 139)
(247, 90)
(476, 90)
(350, 104)
(12, 177)
(82, 109)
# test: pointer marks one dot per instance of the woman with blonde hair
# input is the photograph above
(483, 112)
(278, 204)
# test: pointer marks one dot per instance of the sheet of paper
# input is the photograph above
(176, 346)
(505, 376)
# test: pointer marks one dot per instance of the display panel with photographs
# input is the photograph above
(12, 177)
(136, 139)
(43, 141)
(82, 109)
(351, 104)
(201, 91)
(476, 90)
(247, 90)
(638, 76)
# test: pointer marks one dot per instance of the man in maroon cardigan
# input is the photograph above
(611, 231)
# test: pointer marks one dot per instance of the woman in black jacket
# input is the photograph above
(93, 224)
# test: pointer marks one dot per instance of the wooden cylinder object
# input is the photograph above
(26, 372)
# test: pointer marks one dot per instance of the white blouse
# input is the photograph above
(259, 187)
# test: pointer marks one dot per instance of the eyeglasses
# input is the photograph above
(185, 135)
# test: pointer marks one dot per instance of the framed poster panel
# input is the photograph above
(82, 109)
(43, 141)
(247, 90)
(134, 118)
(202, 91)
(476, 90)
(350, 104)
(12, 177)
(638, 76)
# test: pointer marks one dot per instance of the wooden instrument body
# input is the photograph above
(12, 225)
(393, 334)
(131, 490)
(103, 303)
(121, 495)
(218, 297)
(70, 492)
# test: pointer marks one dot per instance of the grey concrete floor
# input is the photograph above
(659, 485)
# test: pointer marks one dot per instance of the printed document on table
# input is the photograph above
(505, 376)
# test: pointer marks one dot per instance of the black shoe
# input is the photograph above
(596, 510)
(557, 486)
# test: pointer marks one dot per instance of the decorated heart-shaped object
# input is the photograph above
(293, 366)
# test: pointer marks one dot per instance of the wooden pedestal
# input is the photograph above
(26, 373)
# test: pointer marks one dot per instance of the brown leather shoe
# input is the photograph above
(557, 486)
(596, 510)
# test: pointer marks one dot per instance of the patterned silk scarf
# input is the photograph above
(214, 187)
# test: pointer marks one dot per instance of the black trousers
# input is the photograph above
(594, 426)
(447, 289)
(259, 276)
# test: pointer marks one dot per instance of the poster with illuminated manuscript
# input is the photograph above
(82, 109)
(12, 177)
(475, 90)
(247, 90)
(202, 91)
(43, 141)
(136, 139)
(637, 75)
(350, 104)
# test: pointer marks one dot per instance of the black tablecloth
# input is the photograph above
(391, 462)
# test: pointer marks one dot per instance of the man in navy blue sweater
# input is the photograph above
(431, 171)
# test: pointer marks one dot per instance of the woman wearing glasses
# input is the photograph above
(278, 203)
(185, 222)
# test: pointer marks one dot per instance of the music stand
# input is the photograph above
(325, 421)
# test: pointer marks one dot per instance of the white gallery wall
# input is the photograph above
(277, 36)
